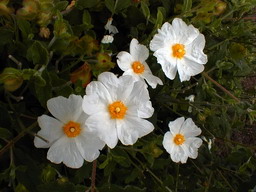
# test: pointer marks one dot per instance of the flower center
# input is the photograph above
(72, 129)
(138, 67)
(179, 139)
(178, 51)
(117, 110)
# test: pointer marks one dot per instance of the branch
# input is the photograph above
(220, 86)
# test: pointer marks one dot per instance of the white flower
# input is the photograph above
(179, 47)
(117, 108)
(134, 64)
(181, 141)
(107, 39)
(69, 139)
(111, 28)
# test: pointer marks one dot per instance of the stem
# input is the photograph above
(208, 182)
(51, 42)
(237, 143)
(94, 166)
(151, 173)
(226, 181)
(15, 61)
(220, 86)
(177, 178)
(17, 138)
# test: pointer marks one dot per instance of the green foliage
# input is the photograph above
(53, 47)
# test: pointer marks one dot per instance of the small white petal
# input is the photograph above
(65, 109)
(188, 68)
(164, 36)
(65, 150)
(168, 142)
(175, 126)
(104, 127)
(189, 129)
(139, 52)
(168, 63)
(124, 60)
(89, 145)
(111, 28)
(139, 94)
(93, 104)
(194, 51)
(132, 128)
(51, 130)
(184, 34)
(178, 155)
(152, 80)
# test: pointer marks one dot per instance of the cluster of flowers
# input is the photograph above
(117, 108)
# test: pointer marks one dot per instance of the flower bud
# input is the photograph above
(11, 78)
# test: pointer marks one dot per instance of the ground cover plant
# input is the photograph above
(127, 95)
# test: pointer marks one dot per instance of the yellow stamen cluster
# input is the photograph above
(72, 129)
(178, 51)
(117, 110)
(138, 67)
(179, 139)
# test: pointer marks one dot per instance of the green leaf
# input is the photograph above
(87, 19)
(159, 18)
(145, 10)
(110, 4)
(28, 73)
(24, 27)
(122, 4)
(187, 5)
(44, 93)
(38, 54)
(61, 5)
(81, 4)
(5, 133)
(6, 36)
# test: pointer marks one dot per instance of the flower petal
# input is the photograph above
(168, 63)
(65, 150)
(188, 68)
(168, 142)
(184, 34)
(132, 128)
(138, 52)
(93, 104)
(189, 129)
(104, 127)
(111, 82)
(139, 94)
(51, 130)
(89, 145)
(193, 144)
(65, 109)
(141, 110)
(194, 51)
(175, 126)
(178, 155)
(152, 80)
(163, 37)
(124, 60)
(98, 88)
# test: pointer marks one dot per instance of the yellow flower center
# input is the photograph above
(179, 139)
(72, 129)
(117, 110)
(138, 67)
(178, 51)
